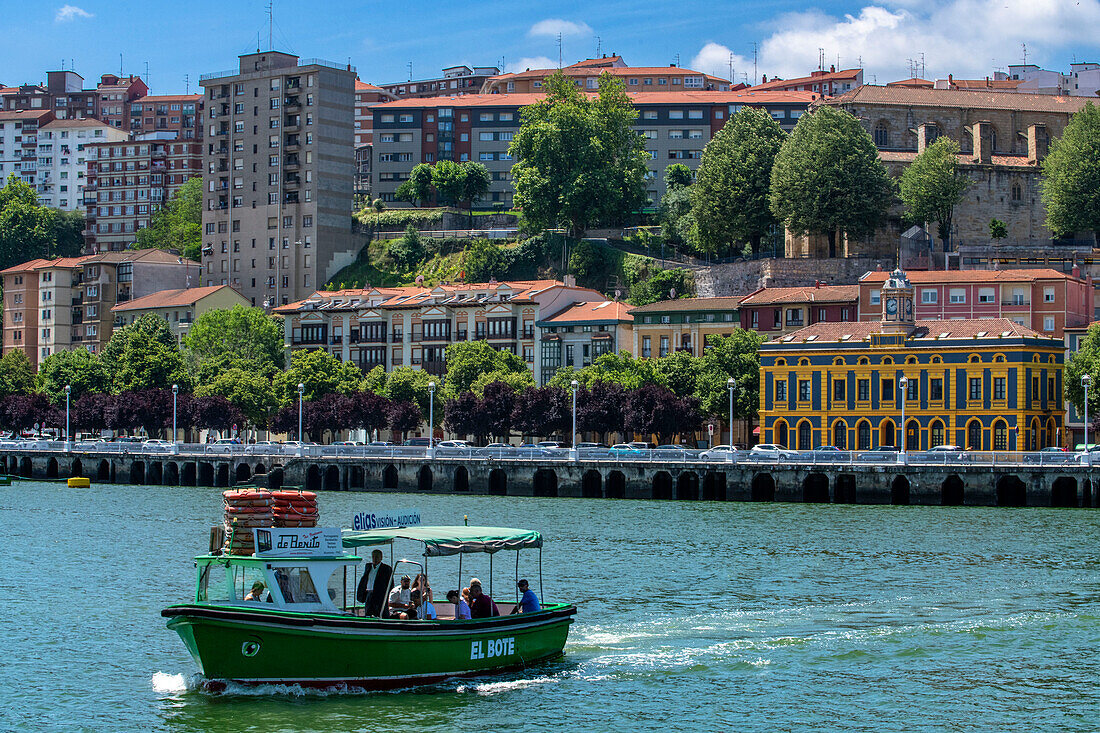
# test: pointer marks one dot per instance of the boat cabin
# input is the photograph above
(290, 583)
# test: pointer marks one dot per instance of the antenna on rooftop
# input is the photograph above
(559, 50)
(731, 67)
(755, 46)
(270, 24)
(410, 65)
(146, 73)
(677, 60)
(599, 46)
(120, 64)
(186, 83)
(1023, 47)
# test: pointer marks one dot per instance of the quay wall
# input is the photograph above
(978, 485)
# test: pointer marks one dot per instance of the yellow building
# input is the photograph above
(180, 307)
(987, 384)
(682, 325)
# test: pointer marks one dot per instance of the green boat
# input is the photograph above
(301, 635)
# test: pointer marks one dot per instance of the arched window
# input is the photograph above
(1017, 192)
(910, 360)
(974, 435)
(933, 133)
(781, 436)
(936, 360)
(863, 360)
(840, 435)
(1000, 435)
(888, 433)
(781, 362)
(803, 362)
(805, 436)
(882, 135)
(974, 359)
(993, 138)
(863, 431)
(887, 360)
(839, 361)
(935, 437)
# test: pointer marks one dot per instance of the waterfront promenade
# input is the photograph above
(840, 477)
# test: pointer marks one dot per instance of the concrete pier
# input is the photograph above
(962, 484)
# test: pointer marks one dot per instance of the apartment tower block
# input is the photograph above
(279, 170)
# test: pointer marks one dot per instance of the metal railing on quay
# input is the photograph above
(824, 457)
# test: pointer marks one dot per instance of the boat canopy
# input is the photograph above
(440, 541)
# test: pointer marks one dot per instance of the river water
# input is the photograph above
(749, 617)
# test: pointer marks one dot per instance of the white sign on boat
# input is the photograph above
(298, 542)
(364, 521)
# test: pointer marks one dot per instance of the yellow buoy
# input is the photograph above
(79, 482)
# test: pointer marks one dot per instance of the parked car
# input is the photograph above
(227, 445)
(588, 446)
(495, 449)
(718, 453)
(263, 446)
(674, 452)
(625, 450)
(453, 448)
(830, 454)
(881, 454)
(1050, 456)
(417, 442)
(380, 444)
(347, 443)
(156, 444)
(770, 452)
(940, 454)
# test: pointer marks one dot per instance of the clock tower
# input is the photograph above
(897, 304)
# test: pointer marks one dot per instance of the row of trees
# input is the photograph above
(448, 181)
(231, 371)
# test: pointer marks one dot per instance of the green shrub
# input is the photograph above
(392, 219)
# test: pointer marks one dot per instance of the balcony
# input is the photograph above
(78, 300)
(291, 101)
(1016, 303)
(398, 337)
(435, 367)
(292, 180)
(123, 296)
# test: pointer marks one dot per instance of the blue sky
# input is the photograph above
(967, 38)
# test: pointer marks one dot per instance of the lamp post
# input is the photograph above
(1085, 380)
(431, 417)
(730, 383)
(175, 395)
(573, 437)
(68, 439)
(903, 384)
(301, 393)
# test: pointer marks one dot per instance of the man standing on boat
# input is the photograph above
(374, 586)
(529, 602)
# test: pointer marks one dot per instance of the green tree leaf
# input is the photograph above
(1071, 175)
(932, 186)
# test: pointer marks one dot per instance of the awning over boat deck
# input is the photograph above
(439, 541)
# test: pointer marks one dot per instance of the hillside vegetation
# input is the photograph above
(613, 272)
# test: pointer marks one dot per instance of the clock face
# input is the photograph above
(891, 305)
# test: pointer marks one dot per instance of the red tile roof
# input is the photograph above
(362, 86)
(598, 66)
(928, 277)
(596, 311)
(964, 159)
(924, 333)
(985, 83)
(969, 99)
(28, 266)
(87, 122)
(418, 296)
(172, 298)
(818, 78)
(169, 98)
(807, 294)
(913, 81)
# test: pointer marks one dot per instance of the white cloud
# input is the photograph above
(554, 26)
(967, 38)
(714, 59)
(70, 12)
(531, 62)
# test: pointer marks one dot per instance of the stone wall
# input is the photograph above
(741, 278)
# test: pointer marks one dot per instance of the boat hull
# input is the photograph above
(325, 650)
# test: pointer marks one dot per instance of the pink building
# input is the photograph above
(782, 310)
(1044, 300)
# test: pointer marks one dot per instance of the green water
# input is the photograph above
(748, 617)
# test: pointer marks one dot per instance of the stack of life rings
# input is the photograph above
(294, 508)
(245, 510)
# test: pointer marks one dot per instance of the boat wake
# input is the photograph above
(175, 684)
(494, 688)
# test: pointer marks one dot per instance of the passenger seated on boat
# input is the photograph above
(482, 605)
(399, 596)
(420, 607)
(528, 602)
(256, 594)
(462, 608)
(421, 584)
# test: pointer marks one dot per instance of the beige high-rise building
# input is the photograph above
(279, 171)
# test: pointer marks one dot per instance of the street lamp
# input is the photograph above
(431, 416)
(573, 438)
(1085, 380)
(731, 383)
(68, 438)
(301, 393)
(175, 394)
(903, 384)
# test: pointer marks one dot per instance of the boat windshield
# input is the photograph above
(291, 583)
